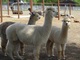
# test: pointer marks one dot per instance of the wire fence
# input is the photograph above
(39, 7)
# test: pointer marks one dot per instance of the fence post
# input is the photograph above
(70, 8)
(1, 11)
(31, 5)
(43, 6)
(18, 9)
(58, 10)
(8, 7)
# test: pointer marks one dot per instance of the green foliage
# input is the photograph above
(46, 1)
(78, 1)
(50, 1)
(4, 1)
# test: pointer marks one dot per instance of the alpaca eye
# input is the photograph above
(64, 21)
(36, 15)
(68, 21)
(53, 11)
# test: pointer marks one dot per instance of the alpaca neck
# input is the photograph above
(31, 21)
(64, 31)
(48, 22)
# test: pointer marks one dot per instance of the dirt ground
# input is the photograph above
(73, 43)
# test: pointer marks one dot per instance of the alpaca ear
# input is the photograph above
(32, 13)
(67, 16)
(29, 9)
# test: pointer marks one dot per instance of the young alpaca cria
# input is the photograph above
(3, 26)
(59, 37)
(29, 34)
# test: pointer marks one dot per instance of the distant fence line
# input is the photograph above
(39, 7)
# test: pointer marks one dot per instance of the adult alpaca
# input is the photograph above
(59, 37)
(29, 34)
(3, 26)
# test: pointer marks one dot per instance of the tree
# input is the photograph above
(78, 1)
(46, 1)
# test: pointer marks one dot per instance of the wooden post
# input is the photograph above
(18, 9)
(31, 5)
(1, 11)
(70, 8)
(43, 6)
(58, 10)
(8, 7)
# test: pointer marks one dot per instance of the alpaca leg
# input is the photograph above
(16, 51)
(3, 45)
(36, 53)
(21, 48)
(9, 50)
(59, 55)
(49, 47)
(59, 52)
(63, 51)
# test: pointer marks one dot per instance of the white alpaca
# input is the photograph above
(59, 37)
(29, 34)
(3, 26)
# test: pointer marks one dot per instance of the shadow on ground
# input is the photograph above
(72, 53)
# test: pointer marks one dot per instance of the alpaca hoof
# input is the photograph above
(3, 52)
(63, 59)
(59, 59)
(21, 54)
(49, 55)
(19, 59)
(53, 55)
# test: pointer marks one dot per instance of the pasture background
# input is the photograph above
(73, 44)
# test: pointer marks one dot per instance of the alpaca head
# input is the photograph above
(35, 16)
(29, 9)
(66, 21)
(51, 12)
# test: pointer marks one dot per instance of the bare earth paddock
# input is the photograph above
(73, 44)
